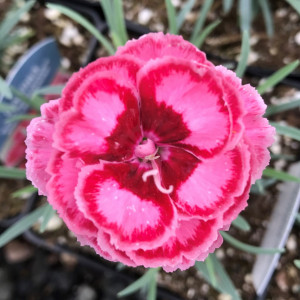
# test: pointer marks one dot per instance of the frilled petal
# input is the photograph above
(192, 237)
(103, 241)
(258, 133)
(206, 188)
(157, 45)
(64, 176)
(124, 67)
(104, 123)
(39, 145)
(184, 106)
(133, 212)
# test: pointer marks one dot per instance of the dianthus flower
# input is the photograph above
(150, 153)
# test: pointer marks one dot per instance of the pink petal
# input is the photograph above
(104, 123)
(61, 186)
(133, 212)
(258, 136)
(103, 241)
(183, 105)
(39, 145)
(258, 133)
(124, 67)
(209, 187)
(92, 242)
(193, 237)
(157, 45)
(240, 203)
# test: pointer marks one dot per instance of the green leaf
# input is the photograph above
(205, 33)
(280, 175)
(211, 271)
(86, 24)
(25, 191)
(49, 212)
(15, 38)
(265, 7)
(242, 65)
(12, 19)
(152, 288)
(12, 173)
(295, 4)
(6, 107)
(183, 13)
(120, 20)
(241, 223)
(245, 14)
(50, 89)
(289, 131)
(201, 20)
(277, 77)
(34, 104)
(171, 17)
(260, 185)
(227, 5)
(21, 226)
(297, 263)
(21, 117)
(274, 109)
(224, 284)
(249, 248)
(140, 283)
(114, 16)
(5, 89)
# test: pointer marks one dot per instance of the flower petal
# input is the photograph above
(64, 176)
(104, 243)
(192, 238)
(157, 45)
(124, 67)
(183, 105)
(258, 133)
(133, 212)
(208, 187)
(39, 145)
(104, 123)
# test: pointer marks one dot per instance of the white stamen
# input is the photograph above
(155, 173)
(149, 173)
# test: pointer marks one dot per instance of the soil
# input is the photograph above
(49, 276)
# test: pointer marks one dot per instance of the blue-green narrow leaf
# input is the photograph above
(5, 89)
(224, 284)
(171, 17)
(86, 24)
(201, 20)
(280, 175)
(140, 283)
(49, 212)
(265, 7)
(295, 4)
(21, 226)
(12, 173)
(183, 13)
(245, 14)
(242, 65)
(205, 33)
(241, 223)
(277, 77)
(289, 131)
(274, 109)
(249, 248)
(227, 5)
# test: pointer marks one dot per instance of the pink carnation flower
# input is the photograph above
(150, 153)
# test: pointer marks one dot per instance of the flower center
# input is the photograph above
(147, 151)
